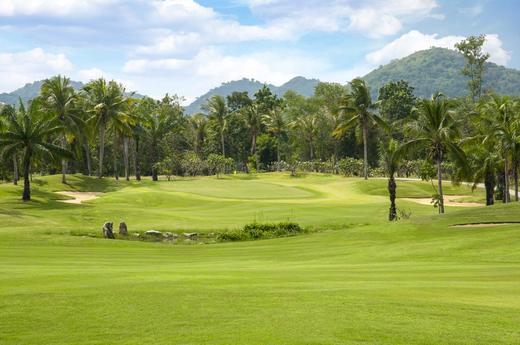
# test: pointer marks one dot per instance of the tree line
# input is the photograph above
(105, 131)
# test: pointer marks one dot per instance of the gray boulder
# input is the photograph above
(154, 233)
(107, 230)
(123, 229)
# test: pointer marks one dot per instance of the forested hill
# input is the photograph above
(28, 92)
(438, 69)
(300, 85)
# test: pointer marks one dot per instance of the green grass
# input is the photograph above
(359, 280)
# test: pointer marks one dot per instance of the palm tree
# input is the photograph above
(436, 129)
(504, 128)
(391, 156)
(308, 126)
(106, 102)
(253, 117)
(275, 122)
(30, 133)
(218, 113)
(359, 111)
(59, 96)
(198, 125)
(8, 112)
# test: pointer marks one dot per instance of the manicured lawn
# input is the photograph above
(359, 280)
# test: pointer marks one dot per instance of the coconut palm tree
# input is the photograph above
(106, 102)
(198, 125)
(30, 133)
(359, 111)
(276, 125)
(503, 126)
(253, 117)
(308, 126)
(436, 130)
(58, 98)
(7, 112)
(218, 113)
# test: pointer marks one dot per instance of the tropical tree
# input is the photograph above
(106, 102)
(471, 48)
(391, 156)
(437, 131)
(6, 114)
(503, 126)
(308, 126)
(359, 111)
(58, 98)
(218, 114)
(276, 125)
(30, 133)
(198, 126)
(253, 118)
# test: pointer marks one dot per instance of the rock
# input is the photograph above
(168, 235)
(107, 230)
(154, 233)
(123, 229)
(136, 234)
(190, 235)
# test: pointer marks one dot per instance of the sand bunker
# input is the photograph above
(449, 200)
(480, 225)
(79, 197)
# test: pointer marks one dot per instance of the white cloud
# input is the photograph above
(27, 66)
(85, 75)
(414, 41)
(53, 8)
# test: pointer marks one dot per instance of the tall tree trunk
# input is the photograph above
(439, 181)
(137, 161)
(154, 161)
(64, 161)
(253, 150)
(101, 148)
(278, 154)
(26, 179)
(365, 151)
(125, 158)
(222, 143)
(16, 175)
(392, 214)
(515, 177)
(114, 154)
(489, 182)
(335, 157)
(87, 156)
(506, 180)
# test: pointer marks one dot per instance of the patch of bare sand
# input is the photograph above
(449, 200)
(480, 225)
(79, 197)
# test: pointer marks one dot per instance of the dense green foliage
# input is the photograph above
(439, 69)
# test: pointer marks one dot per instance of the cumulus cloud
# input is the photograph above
(27, 66)
(53, 8)
(414, 41)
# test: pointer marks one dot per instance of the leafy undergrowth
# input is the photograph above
(253, 231)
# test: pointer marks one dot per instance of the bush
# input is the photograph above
(349, 166)
(256, 231)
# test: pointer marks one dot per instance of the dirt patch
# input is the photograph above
(480, 225)
(449, 200)
(79, 197)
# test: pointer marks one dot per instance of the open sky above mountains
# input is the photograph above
(187, 47)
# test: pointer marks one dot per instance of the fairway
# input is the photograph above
(355, 279)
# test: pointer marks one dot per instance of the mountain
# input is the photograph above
(31, 90)
(438, 69)
(28, 92)
(300, 85)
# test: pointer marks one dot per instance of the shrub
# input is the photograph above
(256, 231)
(349, 166)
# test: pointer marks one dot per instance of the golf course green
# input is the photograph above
(355, 278)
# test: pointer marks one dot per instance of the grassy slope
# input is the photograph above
(362, 282)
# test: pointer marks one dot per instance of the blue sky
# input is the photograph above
(187, 47)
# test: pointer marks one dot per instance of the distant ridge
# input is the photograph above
(300, 85)
(428, 71)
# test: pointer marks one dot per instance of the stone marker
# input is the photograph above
(107, 230)
(123, 230)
